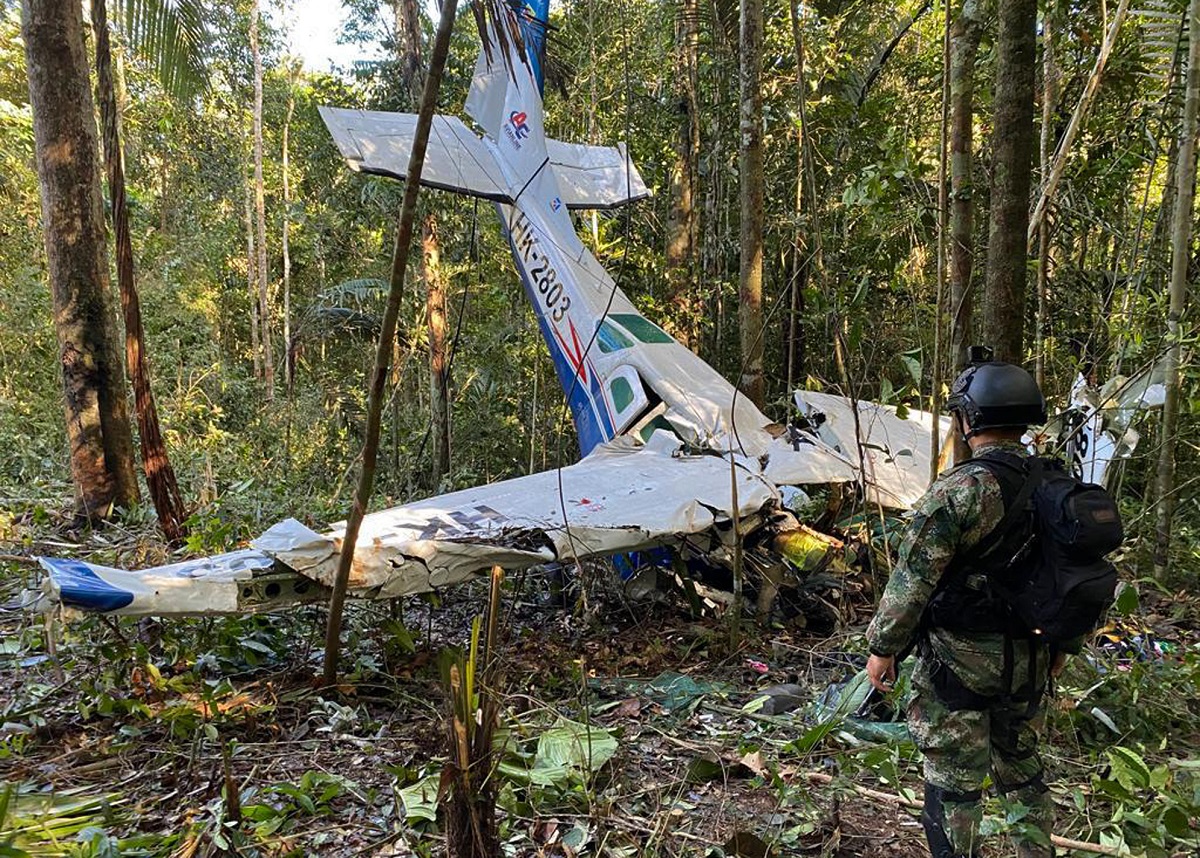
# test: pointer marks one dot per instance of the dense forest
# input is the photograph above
(845, 196)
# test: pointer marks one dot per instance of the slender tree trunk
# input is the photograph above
(1012, 163)
(711, 249)
(160, 476)
(408, 39)
(750, 176)
(98, 430)
(260, 209)
(943, 229)
(252, 275)
(795, 354)
(383, 351)
(439, 379)
(682, 212)
(285, 242)
(408, 47)
(886, 51)
(1181, 245)
(965, 34)
(1050, 84)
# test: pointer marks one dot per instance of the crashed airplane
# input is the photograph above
(672, 455)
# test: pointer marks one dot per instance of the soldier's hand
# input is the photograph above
(881, 670)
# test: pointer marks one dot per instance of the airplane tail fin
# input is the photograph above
(534, 16)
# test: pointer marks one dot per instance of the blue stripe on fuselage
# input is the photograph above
(586, 399)
(80, 587)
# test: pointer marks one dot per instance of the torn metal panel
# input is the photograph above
(621, 498)
(892, 453)
(208, 585)
(796, 458)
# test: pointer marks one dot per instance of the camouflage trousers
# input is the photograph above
(961, 747)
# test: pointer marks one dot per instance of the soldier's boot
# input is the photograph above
(1039, 821)
(951, 822)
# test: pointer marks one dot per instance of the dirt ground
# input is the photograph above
(208, 737)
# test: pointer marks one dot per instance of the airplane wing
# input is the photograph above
(894, 451)
(620, 498)
(379, 143)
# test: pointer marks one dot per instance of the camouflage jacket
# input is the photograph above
(960, 508)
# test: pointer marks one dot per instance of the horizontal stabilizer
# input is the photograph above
(379, 143)
(595, 177)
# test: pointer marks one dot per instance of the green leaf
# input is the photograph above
(1127, 600)
(568, 752)
(1128, 768)
(706, 767)
(1176, 822)
(420, 800)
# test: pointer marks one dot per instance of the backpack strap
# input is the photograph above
(1030, 471)
(1019, 477)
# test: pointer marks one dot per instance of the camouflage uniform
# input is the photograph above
(998, 735)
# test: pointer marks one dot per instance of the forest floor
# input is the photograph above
(208, 736)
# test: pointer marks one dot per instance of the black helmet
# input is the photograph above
(996, 395)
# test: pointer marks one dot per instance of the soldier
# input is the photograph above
(976, 687)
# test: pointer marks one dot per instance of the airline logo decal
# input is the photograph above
(516, 128)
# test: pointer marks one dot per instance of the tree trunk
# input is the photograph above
(1050, 85)
(160, 476)
(682, 232)
(1012, 163)
(750, 177)
(943, 230)
(387, 333)
(408, 40)
(795, 357)
(439, 377)
(285, 245)
(408, 47)
(252, 275)
(964, 45)
(965, 34)
(260, 209)
(1181, 241)
(98, 430)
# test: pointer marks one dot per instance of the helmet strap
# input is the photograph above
(965, 432)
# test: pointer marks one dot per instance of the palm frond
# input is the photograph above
(495, 23)
(171, 36)
(359, 290)
(1163, 24)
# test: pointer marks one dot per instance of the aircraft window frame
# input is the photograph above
(642, 329)
(623, 396)
(611, 338)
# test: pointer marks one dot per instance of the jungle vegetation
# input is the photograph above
(846, 195)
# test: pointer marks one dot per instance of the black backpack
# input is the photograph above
(1046, 558)
(1044, 563)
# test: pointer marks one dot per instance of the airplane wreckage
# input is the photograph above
(672, 456)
